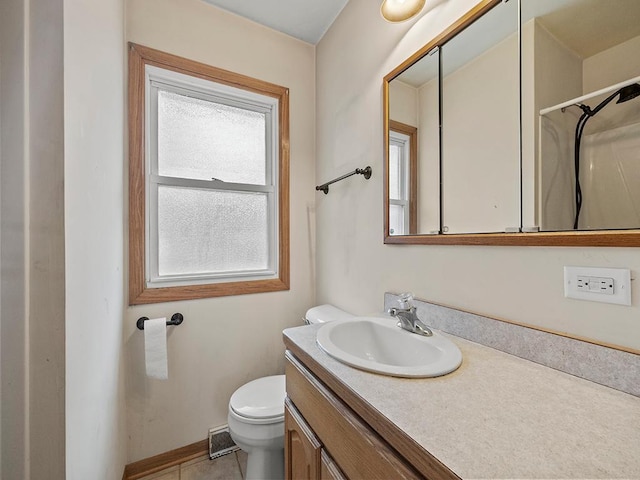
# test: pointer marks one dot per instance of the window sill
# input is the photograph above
(195, 292)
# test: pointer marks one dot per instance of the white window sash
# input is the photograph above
(403, 142)
(159, 79)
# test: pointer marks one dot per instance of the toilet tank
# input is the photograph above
(325, 313)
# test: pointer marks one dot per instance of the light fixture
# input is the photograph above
(400, 10)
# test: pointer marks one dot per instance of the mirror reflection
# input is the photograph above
(527, 123)
(480, 125)
(414, 149)
(581, 114)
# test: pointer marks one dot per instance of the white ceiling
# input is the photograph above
(307, 20)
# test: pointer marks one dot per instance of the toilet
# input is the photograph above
(256, 413)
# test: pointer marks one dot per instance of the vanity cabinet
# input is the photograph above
(329, 469)
(305, 459)
(530, 424)
(325, 439)
(302, 448)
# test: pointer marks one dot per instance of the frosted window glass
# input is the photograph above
(205, 231)
(201, 139)
(394, 172)
(396, 219)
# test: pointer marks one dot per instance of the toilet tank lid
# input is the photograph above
(260, 398)
(326, 313)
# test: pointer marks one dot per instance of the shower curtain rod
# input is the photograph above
(588, 96)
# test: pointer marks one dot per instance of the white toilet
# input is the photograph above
(256, 413)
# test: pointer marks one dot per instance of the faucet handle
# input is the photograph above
(405, 300)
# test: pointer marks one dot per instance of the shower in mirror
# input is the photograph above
(628, 92)
(585, 158)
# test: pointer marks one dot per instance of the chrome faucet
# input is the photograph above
(407, 318)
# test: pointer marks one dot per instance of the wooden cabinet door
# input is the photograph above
(329, 470)
(301, 447)
(360, 451)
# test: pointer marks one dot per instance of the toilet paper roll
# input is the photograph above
(155, 348)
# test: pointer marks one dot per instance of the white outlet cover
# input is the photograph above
(621, 284)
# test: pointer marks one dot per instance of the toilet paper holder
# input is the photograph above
(176, 319)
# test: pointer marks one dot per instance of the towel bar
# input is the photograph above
(358, 171)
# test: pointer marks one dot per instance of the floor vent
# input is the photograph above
(220, 442)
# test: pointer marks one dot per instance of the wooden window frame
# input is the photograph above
(139, 293)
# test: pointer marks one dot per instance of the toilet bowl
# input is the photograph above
(256, 424)
(256, 413)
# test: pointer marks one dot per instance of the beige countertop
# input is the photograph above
(501, 417)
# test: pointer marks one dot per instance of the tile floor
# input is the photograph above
(229, 467)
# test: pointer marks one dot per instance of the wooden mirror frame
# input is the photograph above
(593, 238)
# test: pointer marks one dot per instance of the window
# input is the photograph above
(402, 179)
(208, 181)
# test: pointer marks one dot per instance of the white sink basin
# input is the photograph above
(375, 344)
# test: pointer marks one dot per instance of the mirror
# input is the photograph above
(482, 123)
(577, 55)
(414, 149)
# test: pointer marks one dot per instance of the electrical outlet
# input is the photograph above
(595, 284)
(609, 285)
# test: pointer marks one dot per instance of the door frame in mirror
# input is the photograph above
(600, 238)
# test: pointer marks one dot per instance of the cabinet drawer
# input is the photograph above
(355, 447)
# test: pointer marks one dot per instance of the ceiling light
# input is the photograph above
(400, 10)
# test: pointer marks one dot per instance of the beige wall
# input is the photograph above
(480, 149)
(13, 325)
(612, 66)
(33, 356)
(94, 59)
(223, 342)
(61, 163)
(355, 268)
(429, 158)
(403, 103)
(46, 291)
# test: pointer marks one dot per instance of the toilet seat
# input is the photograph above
(260, 401)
